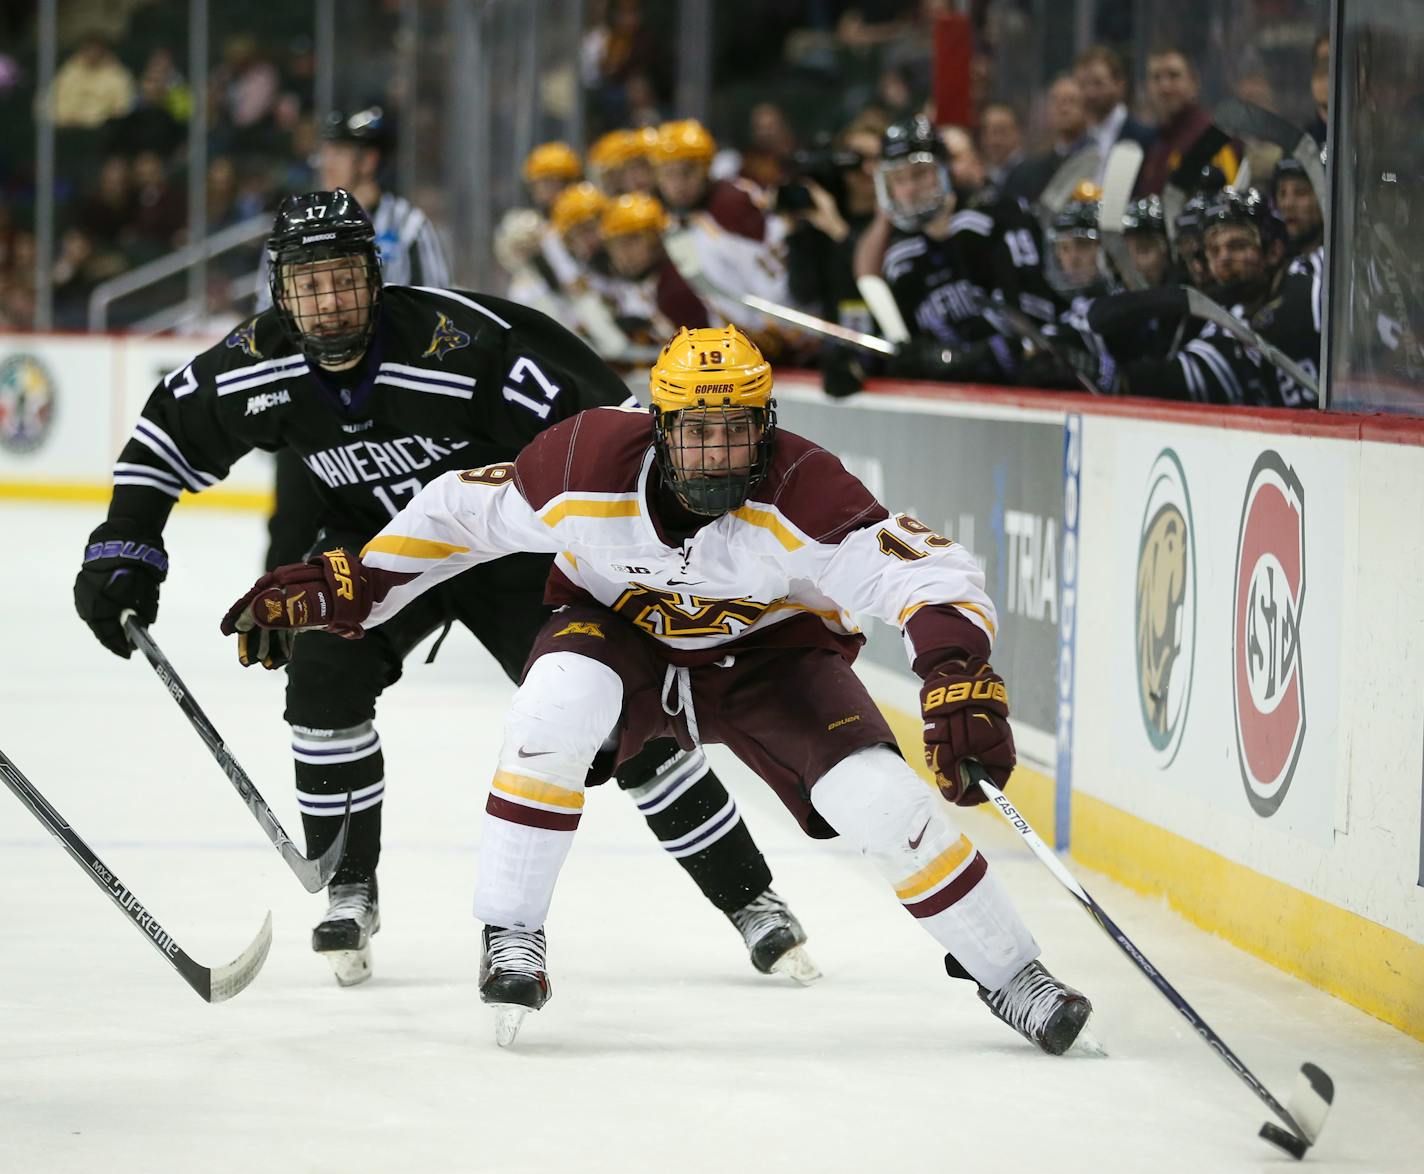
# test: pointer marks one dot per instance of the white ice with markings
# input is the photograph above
(662, 1050)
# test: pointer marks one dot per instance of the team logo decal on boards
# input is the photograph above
(1268, 694)
(676, 615)
(27, 403)
(447, 337)
(244, 338)
(1166, 606)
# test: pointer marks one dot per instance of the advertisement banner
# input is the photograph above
(1213, 595)
(991, 481)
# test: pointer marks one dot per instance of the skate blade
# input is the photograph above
(796, 964)
(507, 1019)
(1088, 1044)
(351, 967)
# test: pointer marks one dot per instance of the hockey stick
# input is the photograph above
(1203, 307)
(1187, 174)
(883, 307)
(683, 253)
(314, 873)
(1079, 166)
(1314, 1091)
(1119, 178)
(214, 985)
(1246, 120)
(1022, 325)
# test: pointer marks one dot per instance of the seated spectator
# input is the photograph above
(1103, 79)
(158, 121)
(1173, 87)
(1068, 125)
(91, 87)
(106, 211)
(1000, 142)
(160, 211)
(772, 143)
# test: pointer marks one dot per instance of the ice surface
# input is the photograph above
(662, 1049)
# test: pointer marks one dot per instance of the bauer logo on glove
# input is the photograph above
(329, 592)
(966, 712)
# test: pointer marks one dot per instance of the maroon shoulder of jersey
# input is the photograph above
(600, 450)
(677, 301)
(811, 487)
(733, 208)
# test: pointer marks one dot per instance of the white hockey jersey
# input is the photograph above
(809, 554)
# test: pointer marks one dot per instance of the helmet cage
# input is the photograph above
(356, 266)
(909, 218)
(691, 475)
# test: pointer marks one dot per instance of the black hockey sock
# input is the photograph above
(330, 764)
(697, 822)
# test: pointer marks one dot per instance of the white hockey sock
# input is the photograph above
(556, 724)
(878, 803)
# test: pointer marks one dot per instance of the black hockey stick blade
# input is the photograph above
(1314, 1091)
(214, 985)
(315, 872)
(1201, 306)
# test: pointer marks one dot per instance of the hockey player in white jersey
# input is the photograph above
(708, 568)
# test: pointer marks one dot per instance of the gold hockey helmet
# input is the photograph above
(575, 204)
(634, 212)
(713, 417)
(552, 161)
(684, 139)
(616, 149)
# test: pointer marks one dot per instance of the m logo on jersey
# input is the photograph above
(674, 615)
(1166, 606)
(447, 337)
(581, 628)
(244, 338)
(1269, 698)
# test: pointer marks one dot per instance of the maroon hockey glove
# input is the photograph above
(329, 592)
(966, 711)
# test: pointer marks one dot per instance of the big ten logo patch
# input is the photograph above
(675, 615)
(1165, 606)
(1268, 693)
(27, 403)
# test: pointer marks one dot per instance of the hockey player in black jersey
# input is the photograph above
(947, 264)
(1245, 248)
(379, 389)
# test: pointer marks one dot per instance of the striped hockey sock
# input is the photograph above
(330, 764)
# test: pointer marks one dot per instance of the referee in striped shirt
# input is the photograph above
(353, 148)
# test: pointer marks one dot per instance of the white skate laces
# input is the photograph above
(1040, 1008)
(350, 902)
(518, 951)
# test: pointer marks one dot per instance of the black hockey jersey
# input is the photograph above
(452, 380)
(943, 286)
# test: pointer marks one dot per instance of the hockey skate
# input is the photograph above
(344, 934)
(1043, 1010)
(514, 977)
(775, 939)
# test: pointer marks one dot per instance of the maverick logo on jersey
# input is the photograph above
(1266, 672)
(675, 615)
(447, 337)
(27, 396)
(1166, 606)
(244, 338)
(267, 399)
(364, 461)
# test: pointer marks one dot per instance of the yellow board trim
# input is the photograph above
(537, 790)
(403, 547)
(1374, 968)
(582, 508)
(769, 521)
(936, 870)
(87, 491)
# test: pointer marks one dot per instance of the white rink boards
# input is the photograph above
(661, 1051)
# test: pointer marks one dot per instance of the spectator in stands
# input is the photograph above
(79, 267)
(1172, 87)
(1102, 77)
(1068, 125)
(17, 286)
(1320, 88)
(158, 121)
(222, 193)
(109, 208)
(1000, 142)
(160, 211)
(771, 144)
(249, 85)
(91, 87)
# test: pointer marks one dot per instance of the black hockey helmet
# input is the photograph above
(325, 275)
(1210, 179)
(905, 143)
(1145, 218)
(1229, 206)
(365, 128)
(1191, 219)
(1079, 216)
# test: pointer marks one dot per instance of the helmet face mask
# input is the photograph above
(912, 183)
(714, 418)
(325, 276)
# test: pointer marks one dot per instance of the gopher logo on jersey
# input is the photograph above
(675, 615)
(447, 337)
(1166, 606)
(1269, 695)
(244, 338)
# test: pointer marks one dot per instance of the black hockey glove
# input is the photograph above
(120, 572)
